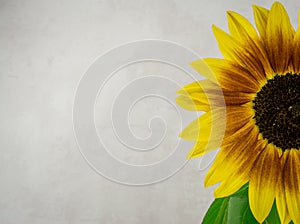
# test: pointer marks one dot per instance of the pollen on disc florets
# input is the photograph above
(277, 111)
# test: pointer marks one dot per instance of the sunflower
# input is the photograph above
(259, 79)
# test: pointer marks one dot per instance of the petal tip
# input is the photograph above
(179, 91)
(278, 7)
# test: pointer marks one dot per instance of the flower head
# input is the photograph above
(259, 79)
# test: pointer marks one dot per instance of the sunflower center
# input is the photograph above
(277, 111)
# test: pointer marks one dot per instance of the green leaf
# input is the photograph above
(216, 212)
(243, 191)
(248, 216)
(273, 217)
(232, 209)
(235, 209)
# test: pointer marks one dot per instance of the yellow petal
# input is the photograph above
(231, 185)
(199, 128)
(196, 87)
(195, 91)
(261, 18)
(210, 125)
(207, 131)
(238, 119)
(237, 157)
(292, 184)
(251, 55)
(263, 182)
(201, 148)
(240, 28)
(202, 68)
(237, 98)
(188, 103)
(279, 38)
(232, 76)
(227, 44)
(204, 91)
(237, 177)
(211, 94)
(296, 49)
(280, 194)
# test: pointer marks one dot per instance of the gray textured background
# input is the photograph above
(46, 46)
